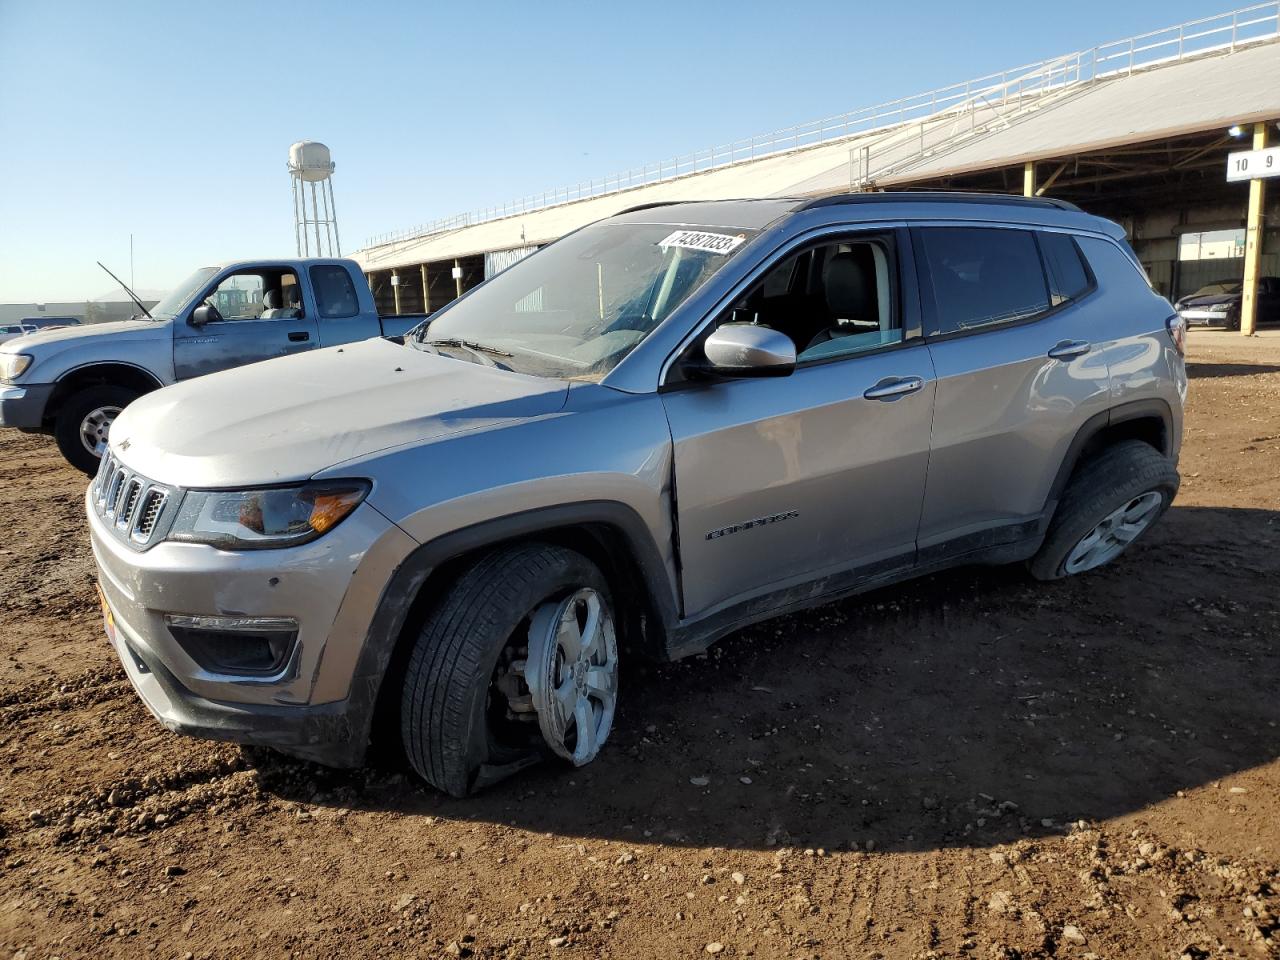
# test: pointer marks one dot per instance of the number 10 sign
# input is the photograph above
(1253, 164)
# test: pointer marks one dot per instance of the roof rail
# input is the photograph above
(938, 196)
(650, 206)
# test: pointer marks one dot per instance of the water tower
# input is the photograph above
(311, 165)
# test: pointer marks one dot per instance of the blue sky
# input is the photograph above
(172, 120)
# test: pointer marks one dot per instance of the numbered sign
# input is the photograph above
(1253, 164)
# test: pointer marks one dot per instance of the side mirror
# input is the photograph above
(748, 350)
(205, 313)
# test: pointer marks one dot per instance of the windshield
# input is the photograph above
(575, 309)
(1219, 287)
(181, 295)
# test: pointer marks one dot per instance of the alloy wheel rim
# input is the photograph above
(1114, 533)
(572, 673)
(95, 429)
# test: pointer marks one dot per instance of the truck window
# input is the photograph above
(335, 293)
(983, 276)
(257, 295)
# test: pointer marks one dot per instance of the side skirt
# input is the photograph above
(1008, 543)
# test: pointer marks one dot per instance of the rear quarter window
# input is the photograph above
(1068, 277)
(335, 293)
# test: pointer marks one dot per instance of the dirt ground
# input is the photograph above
(972, 765)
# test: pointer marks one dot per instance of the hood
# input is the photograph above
(1212, 300)
(120, 330)
(286, 419)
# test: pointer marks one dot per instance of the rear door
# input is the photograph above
(782, 481)
(1017, 336)
(261, 316)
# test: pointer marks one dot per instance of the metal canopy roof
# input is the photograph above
(1197, 95)
(1070, 106)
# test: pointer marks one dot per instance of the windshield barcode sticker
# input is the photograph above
(720, 243)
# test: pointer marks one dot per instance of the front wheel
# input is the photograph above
(83, 424)
(1112, 501)
(517, 662)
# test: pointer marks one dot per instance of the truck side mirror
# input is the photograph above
(205, 313)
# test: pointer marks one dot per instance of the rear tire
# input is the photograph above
(85, 417)
(449, 700)
(1113, 499)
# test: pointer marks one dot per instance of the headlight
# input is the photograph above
(13, 365)
(260, 519)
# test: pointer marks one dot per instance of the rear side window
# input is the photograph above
(335, 293)
(983, 276)
(1068, 278)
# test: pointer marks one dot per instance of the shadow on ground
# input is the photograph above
(1204, 371)
(969, 708)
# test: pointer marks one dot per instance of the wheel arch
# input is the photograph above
(1150, 421)
(608, 533)
(113, 373)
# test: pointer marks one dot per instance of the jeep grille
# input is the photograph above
(130, 504)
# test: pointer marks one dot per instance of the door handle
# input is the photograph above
(890, 388)
(298, 336)
(1067, 349)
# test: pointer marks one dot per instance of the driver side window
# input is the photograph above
(834, 299)
(257, 295)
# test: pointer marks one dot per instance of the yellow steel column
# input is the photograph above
(457, 270)
(426, 291)
(1253, 241)
(395, 289)
(1029, 179)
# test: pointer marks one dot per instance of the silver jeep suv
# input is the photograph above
(657, 430)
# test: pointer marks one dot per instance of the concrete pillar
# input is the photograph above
(457, 275)
(395, 289)
(426, 291)
(1253, 241)
(1029, 179)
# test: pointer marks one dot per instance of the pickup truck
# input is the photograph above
(73, 382)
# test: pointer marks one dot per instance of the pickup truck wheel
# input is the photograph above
(1110, 503)
(84, 423)
(517, 661)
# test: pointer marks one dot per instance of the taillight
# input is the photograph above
(1177, 328)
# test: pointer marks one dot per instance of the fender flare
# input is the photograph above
(1134, 410)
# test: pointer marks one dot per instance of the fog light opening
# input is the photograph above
(243, 646)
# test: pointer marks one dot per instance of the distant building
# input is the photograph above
(86, 311)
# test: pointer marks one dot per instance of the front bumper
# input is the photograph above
(327, 733)
(331, 587)
(23, 406)
(1205, 318)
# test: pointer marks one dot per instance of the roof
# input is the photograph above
(1203, 93)
(1194, 96)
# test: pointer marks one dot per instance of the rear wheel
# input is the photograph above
(83, 424)
(1110, 503)
(517, 662)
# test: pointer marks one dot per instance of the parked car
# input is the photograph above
(72, 383)
(51, 323)
(1218, 304)
(657, 430)
(11, 331)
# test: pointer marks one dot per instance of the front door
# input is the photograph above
(258, 315)
(784, 480)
